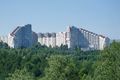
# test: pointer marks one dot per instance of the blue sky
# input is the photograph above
(99, 16)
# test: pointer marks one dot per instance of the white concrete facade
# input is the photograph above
(75, 37)
(22, 37)
(48, 39)
(61, 38)
(4, 39)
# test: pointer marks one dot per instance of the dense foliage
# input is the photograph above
(60, 63)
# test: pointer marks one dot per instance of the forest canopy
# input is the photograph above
(42, 63)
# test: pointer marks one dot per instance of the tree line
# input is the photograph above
(45, 63)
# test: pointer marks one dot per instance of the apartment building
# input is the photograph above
(22, 37)
(75, 37)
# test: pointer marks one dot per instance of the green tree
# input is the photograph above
(20, 75)
(3, 45)
(109, 68)
(61, 68)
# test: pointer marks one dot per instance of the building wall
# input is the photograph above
(103, 42)
(10, 41)
(91, 40)
(22, 37)
(34, 38)
(48, 39)
(53, 40)
(61, 38)
(4, 39)
(75, 37)
(40, 38)
(26, 36)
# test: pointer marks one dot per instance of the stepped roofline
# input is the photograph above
(102, 36)
(14, 31)
(17, 28)
(88, 31)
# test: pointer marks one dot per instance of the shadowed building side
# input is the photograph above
(22, 37)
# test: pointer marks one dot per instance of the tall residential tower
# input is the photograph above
(22, 37)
